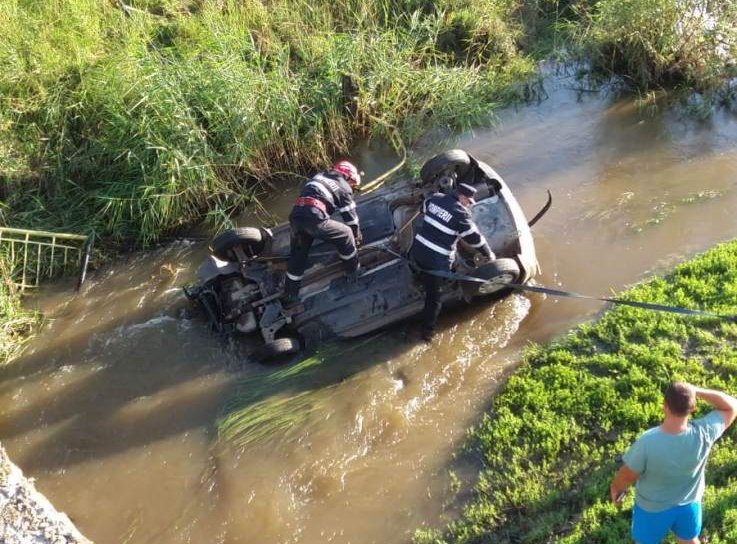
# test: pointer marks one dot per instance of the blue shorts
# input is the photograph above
(651, 527)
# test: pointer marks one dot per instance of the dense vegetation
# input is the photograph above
(16, 324)
(551, 439)
(650, 43)
(135, 120)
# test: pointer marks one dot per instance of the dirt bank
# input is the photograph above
(26, 516)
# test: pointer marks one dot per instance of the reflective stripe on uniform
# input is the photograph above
(294, 277)
(427, 243)
(354, 222)
(442, 228)
(322, 190)
(469, 231)
(349, 207)
(480, 244)
(347, 257)
(327, 179)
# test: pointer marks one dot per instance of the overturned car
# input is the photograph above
(241, 283)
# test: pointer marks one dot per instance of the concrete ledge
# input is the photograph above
(26, 516)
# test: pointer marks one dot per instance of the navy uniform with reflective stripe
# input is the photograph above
(334, 191)
(446, 220)
(310, 218)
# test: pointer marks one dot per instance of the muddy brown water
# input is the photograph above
(112, 408)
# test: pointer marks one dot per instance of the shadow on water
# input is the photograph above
(106, 371)
(108, 396)
(123, 374)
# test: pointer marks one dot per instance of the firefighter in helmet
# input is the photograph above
(310, 219)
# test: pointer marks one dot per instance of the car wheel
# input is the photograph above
(277, 350)
(454, 160)
(499, 274)
(250, 240)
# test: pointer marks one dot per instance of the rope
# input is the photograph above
(633, 303)
(398, 144)
(569, 294)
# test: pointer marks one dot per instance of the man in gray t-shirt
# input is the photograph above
(668, 463)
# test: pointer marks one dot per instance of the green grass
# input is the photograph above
(652, 43)
(16, 324)
(139, 124)
(552, 435)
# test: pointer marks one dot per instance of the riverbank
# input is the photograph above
(16, 323)
(112, 408)
(26, 516)
(551, 438)
(139, 120)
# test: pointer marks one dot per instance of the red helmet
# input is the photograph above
(349, 171)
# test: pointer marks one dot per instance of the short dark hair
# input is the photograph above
(680, 398)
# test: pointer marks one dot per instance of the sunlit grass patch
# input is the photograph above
(551, 439)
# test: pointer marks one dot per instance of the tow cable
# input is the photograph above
(568, 294)
(633, 303)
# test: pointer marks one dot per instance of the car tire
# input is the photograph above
(250, 239)
(277, 350)
(499, 274)
(453, 160)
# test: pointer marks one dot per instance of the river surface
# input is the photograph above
(112, 408)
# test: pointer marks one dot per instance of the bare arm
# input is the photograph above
(725, 404)
(623, 479)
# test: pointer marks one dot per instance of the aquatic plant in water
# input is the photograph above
(279, 404)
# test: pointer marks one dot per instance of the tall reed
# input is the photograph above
(651, 43)
(138, 121)
(137, 124)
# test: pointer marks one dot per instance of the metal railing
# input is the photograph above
(35, 255)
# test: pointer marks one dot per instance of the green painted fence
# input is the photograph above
(36, 255)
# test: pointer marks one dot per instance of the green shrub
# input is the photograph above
(655, 42)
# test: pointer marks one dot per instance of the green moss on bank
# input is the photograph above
(552, 436)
